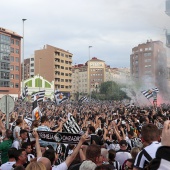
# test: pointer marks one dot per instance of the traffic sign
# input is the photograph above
(7, 104)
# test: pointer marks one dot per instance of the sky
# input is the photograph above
(111, 27)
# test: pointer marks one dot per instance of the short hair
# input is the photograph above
(44, 119)
(150, 133)
(18, 121)
(50, 154)
(87, 165)
(25, 145)
(131, 132)
(18, 153)
(12, 152)
(112, 154)
(23, 131)
(131, 160)
(134, 151)
(35, 165)
(91, 128)
(93, 151)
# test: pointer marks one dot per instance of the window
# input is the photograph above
(12, 41)
(32, 59)
(16, 85)
(32, 70)
(17, 68)
(11, 84)
(17, 42)
(62, 86)
(62, 61)
(12, 50)
(11, 58)
(12, 76)
(11, 67)
(17, 51)
(62, 67)
(16, 76)
(62, 54)
(32, 65)
(17, 59)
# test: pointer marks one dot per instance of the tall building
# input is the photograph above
(88, 77)
(54, 64)
(10, 59)
(148, 64)
(28, 68)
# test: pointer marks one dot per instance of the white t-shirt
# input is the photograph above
(16, 129)
(16, 144)
(7, 166)
(62, 166)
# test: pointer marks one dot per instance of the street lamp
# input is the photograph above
(89, 74)
(39, 74)
(23, 57)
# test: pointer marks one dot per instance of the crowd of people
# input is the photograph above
(114, 137)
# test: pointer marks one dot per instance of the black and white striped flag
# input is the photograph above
(83, 99)
(149, 93)
(25, 93)
(40, 95)
(71, 125)
(59, 97)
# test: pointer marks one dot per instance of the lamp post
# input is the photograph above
(89, 74)
(23, 57)
(39, 74)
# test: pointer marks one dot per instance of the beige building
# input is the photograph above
(88, 77)
(54, 64)
(10, 63)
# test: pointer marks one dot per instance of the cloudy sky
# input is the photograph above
(112, 27)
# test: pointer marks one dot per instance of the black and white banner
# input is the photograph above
(59, 137)
(40, 95)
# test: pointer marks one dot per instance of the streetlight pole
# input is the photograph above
(23, 57)
(89, 74)
(39, 74)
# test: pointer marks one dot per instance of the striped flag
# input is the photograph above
(149, 93)
(40, 95)
(83, 99)
(71, 125)
(25, 93)
(59, 97)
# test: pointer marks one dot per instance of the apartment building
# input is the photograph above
(148, 64)
(88, 77)
(54, 64)
(10, 59)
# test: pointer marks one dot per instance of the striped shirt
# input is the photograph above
(146, 155)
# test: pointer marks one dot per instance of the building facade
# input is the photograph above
(148, 64)
(10, 59)
(88, 77)
(54, 64)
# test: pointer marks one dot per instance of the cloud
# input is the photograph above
(112, 27)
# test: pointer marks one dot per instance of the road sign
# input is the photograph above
(6, 104)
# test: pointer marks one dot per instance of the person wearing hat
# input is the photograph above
(122, 155)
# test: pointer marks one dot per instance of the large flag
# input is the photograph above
(25, 93)
(36, 113)
(59, 97)
(71, 125)
(83, 99)
(40, 95)
(149, 93)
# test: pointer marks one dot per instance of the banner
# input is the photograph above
(59, 137)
